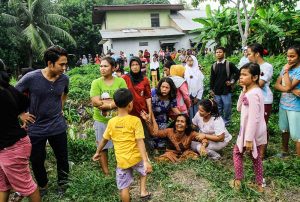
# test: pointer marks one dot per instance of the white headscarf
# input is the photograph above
(194, 78)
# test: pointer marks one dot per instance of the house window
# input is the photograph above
(143, 43)
(154, 19)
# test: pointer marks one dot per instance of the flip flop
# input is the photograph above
(146, 197)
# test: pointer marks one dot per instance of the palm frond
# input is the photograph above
(55, 19)
(36, 42)
(59, 33)
(9, 20)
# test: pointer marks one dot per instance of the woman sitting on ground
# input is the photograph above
(212, 128)
(179, 138)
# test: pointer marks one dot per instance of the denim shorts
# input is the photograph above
(124, 177)
(99, 128)
(289, 122)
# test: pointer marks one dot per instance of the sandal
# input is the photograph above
(235, 184)
(146, 197)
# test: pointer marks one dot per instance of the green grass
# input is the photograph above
(199, 180)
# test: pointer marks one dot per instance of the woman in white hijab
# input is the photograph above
(194, 78)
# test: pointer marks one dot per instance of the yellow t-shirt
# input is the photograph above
(124, 131)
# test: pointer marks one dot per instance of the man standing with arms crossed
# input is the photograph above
(47, 89)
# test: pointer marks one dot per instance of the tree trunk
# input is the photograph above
(30, 57)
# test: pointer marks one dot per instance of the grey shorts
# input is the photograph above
(99, 128)
(124, 177)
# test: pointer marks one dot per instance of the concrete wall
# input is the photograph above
(136, 19)
(131, 45)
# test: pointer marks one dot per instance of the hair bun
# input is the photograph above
(265, 52)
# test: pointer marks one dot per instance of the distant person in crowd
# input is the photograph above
(253, 130)
(211, 127)
(223, 76)
(255, 54)
(90, 59)
(194, 78)
(97, 59)
(84, 60)
(15, 146)
(182, 58)
(101, 94)
(155, 54)
(244, 59)
(173, 54)
(167, 67)
(154, 68)
(180, 137)
(288, 83)
(144, 63)
(79, 62)
(163, 100)
(167, 53)
(147, 55)
(126, 132)
(139, 86)
(182, 91)
(161, 55)
(48, 89)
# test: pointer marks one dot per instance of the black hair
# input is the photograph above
(110, 60)
(209, 105)
(53, 53)
(258, 48)
(4, 75)
(173, 89)
(221, 48)
(296, 48)
(169, 63)
(136, 77)
(122, 97)
(188, 129)
(253, 68)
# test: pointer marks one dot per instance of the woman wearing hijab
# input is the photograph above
(139, 86)
(194, 78)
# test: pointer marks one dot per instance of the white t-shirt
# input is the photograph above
(215, 126)
(266, 73)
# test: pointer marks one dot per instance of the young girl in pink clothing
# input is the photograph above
(183, 96)
(253, 131)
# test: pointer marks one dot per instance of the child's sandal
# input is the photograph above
(235, 184)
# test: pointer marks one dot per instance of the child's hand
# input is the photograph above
(147, 166)
(249, 146)
(96, 157)
(200, 137)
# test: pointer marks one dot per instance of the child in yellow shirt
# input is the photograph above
(127, 134)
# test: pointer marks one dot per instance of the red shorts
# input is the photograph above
(14, 168)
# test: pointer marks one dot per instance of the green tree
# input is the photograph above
(35, 24)
(249, 8)
(220, 27)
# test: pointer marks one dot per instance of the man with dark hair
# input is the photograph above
(48, 89)
(222, 77)
(167, 67)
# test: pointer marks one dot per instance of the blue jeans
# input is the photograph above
(224, 105)
(193, 110)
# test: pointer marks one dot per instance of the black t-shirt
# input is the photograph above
(12, 103)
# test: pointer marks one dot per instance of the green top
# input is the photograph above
(105, 92)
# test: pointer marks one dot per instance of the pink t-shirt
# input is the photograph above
(253, 126)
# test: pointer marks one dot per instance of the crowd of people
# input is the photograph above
(169, 119)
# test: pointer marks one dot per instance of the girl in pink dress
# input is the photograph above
(253, 131)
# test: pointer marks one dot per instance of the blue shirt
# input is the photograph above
(45, 102)
(288, 100)
(161, 108)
